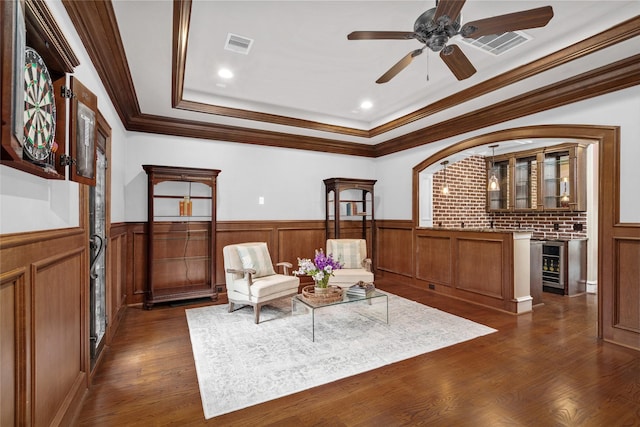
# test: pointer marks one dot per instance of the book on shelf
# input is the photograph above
(361, 288)
(351, 208)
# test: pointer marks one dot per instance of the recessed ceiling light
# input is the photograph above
(225, 73)
(365, 105)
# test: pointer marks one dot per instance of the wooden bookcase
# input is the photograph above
(181, 231)
(350, 210)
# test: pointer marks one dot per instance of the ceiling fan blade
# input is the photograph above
(532, 18)
(399, 66)
(381, 35)
(450, 8)
(457, 62)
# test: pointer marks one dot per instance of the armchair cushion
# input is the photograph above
(353, 254)
(257, 257)
(347, 252)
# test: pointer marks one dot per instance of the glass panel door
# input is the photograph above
(525, 171)
(499, 199)
(97, 224)
(556, 180)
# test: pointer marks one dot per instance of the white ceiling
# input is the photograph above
(301, 64)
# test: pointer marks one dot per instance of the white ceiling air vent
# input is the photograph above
(498, 44)
(238, 43)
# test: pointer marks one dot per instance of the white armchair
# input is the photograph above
(352, 253)
(251, 278)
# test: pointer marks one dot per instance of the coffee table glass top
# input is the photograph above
(346, 298)
(377, 306)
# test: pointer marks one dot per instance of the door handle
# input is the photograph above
(95, 242)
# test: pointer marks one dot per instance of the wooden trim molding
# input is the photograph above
(52, 33)
(96, 24)
(195, 129)
(97, 27)
(610, 78)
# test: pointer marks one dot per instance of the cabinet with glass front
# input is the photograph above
(548, 179)
(524, 181)
(563, 178)
(498, 194)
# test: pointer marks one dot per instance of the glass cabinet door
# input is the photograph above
(499, 199)
(525, 173)
(556, 179)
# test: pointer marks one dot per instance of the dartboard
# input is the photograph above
(39, 107)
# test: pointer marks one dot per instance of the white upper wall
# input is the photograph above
(290, 181)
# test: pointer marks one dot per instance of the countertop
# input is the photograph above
(482, 230)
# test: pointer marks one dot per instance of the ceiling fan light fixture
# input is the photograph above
(435, 27)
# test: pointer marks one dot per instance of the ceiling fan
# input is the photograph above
(436, 26)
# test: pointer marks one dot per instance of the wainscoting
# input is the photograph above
(44, 303)
(44, 306)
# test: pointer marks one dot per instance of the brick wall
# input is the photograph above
(465, 206)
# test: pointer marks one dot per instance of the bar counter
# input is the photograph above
(485, 266)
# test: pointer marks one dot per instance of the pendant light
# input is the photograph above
(494, 184)
(445, 186)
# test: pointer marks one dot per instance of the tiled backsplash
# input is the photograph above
(465, 206)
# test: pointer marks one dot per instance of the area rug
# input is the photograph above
(240, 364)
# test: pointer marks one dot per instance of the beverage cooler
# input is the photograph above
(564, 266)
(553, 267)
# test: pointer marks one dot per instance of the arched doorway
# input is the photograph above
(617, 317)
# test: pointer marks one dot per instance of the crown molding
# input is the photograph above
(97, 28)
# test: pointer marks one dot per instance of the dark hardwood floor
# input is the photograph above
(546, 368)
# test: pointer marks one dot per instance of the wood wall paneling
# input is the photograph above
(479, 265)
(434, 260)
(44, 324)
(137, 264)
(117, 278)
(13, 370)
(394, 252)
(627, 313)
(59, 340)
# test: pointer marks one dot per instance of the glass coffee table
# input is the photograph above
(377, 307)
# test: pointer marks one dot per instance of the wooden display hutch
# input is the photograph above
(349, 210)
(180, 234)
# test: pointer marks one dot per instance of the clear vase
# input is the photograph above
(320, 289)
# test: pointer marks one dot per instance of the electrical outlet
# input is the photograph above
(577, 227)
(219, 288)
(556, 226)
(432, 286)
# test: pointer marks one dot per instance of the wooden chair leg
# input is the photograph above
(256, 310)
